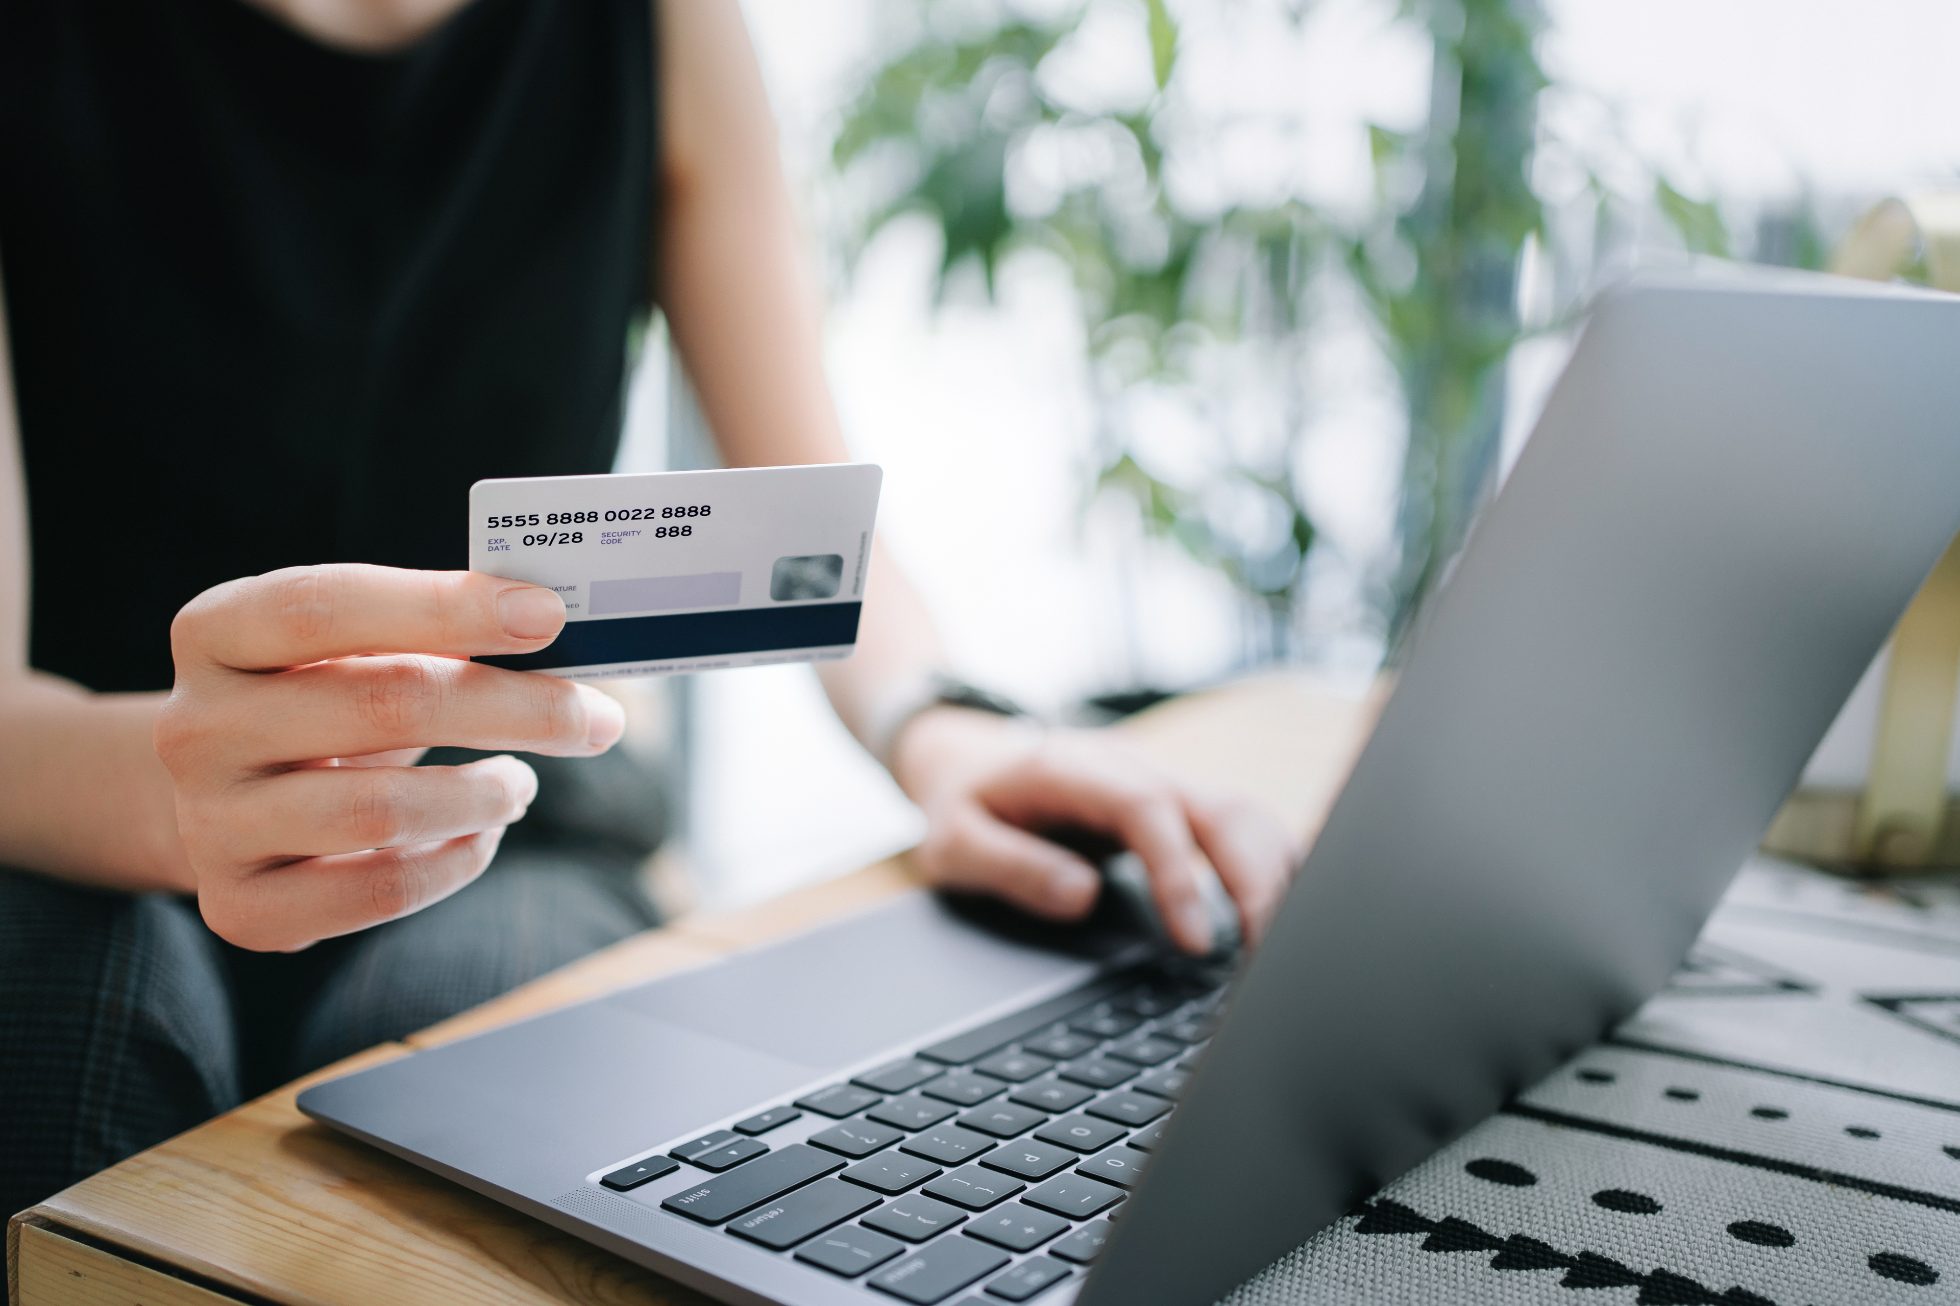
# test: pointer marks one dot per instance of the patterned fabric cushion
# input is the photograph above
(1781, 1125)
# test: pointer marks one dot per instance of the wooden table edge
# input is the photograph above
(90, 1269)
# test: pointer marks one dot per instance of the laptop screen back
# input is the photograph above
(1731, 496)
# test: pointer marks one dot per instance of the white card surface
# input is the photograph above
(685, 571)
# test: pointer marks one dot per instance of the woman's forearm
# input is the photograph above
(82, 794)
(897, 649)
(745, 315)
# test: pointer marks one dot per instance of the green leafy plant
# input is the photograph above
(1156, 286)
(1169, 294)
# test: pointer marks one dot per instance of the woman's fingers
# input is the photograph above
(317, 811)
(1252, 854)
(302, 699)
(1096, 789)
(301, 615)
(357, 706)
(969, 849)
(286, 908)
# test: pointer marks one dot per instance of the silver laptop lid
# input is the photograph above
(1730, 497)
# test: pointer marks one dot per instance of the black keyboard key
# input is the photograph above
(997, 1034)
(1099, 1072)
(948, 1144)
(1148, 1139)
(727, 1158)
(1028, 1278)
(1030, 1160)
(783, 1223)
(914, 1217)
(1129, 1108)
(932, 1274)
(753, 1184)
(856, 1138)
(705, 1144)
(1074, 1196)
(1122, 1166)
(1191, 1029)
(850, 1252)
(837, 1100)
(891, 1172)
(1002, 1119)
(1080, 1132)
(1018, 1228)
(629, 1177)
(910, 1112)
(974, 1188)
(1059, 1044)
(1015, 1067)
(1105, 1020)
(1166, 1083)
(1153, 1001)
(964, 1088)
(1083, 1245)
(899, 1076)
(1144, 1050)
(764, 1121)
(1051, 1095)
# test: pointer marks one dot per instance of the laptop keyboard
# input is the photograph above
(993, 1160)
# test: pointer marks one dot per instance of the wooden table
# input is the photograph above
(262, 1204)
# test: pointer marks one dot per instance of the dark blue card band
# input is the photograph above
(691, 635)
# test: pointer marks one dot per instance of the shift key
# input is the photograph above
(752, 1184)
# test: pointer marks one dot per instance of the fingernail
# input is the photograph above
(1194, 923)
(530, 612)
(605, 719)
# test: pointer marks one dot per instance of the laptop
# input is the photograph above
(1731, 495)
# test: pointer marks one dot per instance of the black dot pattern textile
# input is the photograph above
(1626, 1202)
(1500, 1172)
(1781, 1127)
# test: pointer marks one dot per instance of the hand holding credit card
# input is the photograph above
(666, 572)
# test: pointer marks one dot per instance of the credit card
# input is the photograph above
(684, 571)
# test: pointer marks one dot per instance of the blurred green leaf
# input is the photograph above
(1385, 145)
(966, 191)
(1698, 222)
(1163, 41)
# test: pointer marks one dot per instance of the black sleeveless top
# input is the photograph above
(274, 303)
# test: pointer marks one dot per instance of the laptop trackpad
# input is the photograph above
(897, 973)
(589, 1085)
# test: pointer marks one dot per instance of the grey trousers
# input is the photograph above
(123, 1020)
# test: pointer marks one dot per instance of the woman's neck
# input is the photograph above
(369, 26)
